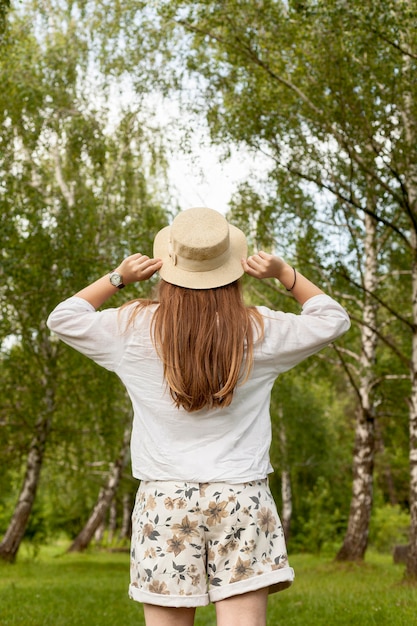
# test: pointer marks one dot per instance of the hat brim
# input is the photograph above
(227, 273)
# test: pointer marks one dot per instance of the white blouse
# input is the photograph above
(230, 444)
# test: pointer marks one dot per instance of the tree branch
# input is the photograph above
(348, 372)
(384, 339)
(349, 200)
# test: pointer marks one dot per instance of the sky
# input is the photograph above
(202, 179)
(199, 175)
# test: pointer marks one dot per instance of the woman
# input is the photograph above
(199, 367)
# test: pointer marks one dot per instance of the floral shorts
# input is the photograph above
(193, 543)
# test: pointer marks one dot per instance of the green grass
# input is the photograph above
(57, 589)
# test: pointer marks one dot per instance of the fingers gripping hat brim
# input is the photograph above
(200, 250)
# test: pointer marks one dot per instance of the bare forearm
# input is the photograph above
(301, 287)
(98, 292)
(134, 268)
(264, 265)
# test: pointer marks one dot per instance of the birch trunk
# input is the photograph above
(125, 530)
(356, 539)
(104, 499)
(411, 569)
(410, 127)
(286, 492)
(15, 532)
(99, 532)
(286, 502)
(112, 520)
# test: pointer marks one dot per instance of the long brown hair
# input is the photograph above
(205, 339)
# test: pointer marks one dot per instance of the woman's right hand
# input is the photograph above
(264, 265)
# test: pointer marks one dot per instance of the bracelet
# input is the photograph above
(295, 280)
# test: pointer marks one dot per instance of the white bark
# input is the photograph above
(412, 552)
(410, 126)
(286, 492)
(356, 538)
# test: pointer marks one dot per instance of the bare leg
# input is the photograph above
(248, 609)
(168, 616)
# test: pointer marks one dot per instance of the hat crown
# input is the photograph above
(203, 239)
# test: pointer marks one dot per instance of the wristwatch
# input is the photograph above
(116, 280)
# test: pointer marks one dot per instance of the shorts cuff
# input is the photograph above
(167, 600)
(276, 581)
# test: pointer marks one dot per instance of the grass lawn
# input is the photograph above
(56, 589)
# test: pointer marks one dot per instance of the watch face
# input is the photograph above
(115, 279)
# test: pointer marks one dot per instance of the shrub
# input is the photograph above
(322, 528)
(389, 526)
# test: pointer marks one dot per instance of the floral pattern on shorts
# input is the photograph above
(188, 538)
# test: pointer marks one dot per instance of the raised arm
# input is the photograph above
(264, 265)
(134, 268)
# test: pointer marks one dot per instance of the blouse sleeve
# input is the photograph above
(100, 335)
(291, 338)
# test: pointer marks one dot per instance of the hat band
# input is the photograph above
(194, 265)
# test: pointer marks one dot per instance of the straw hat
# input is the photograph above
(200, 250)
